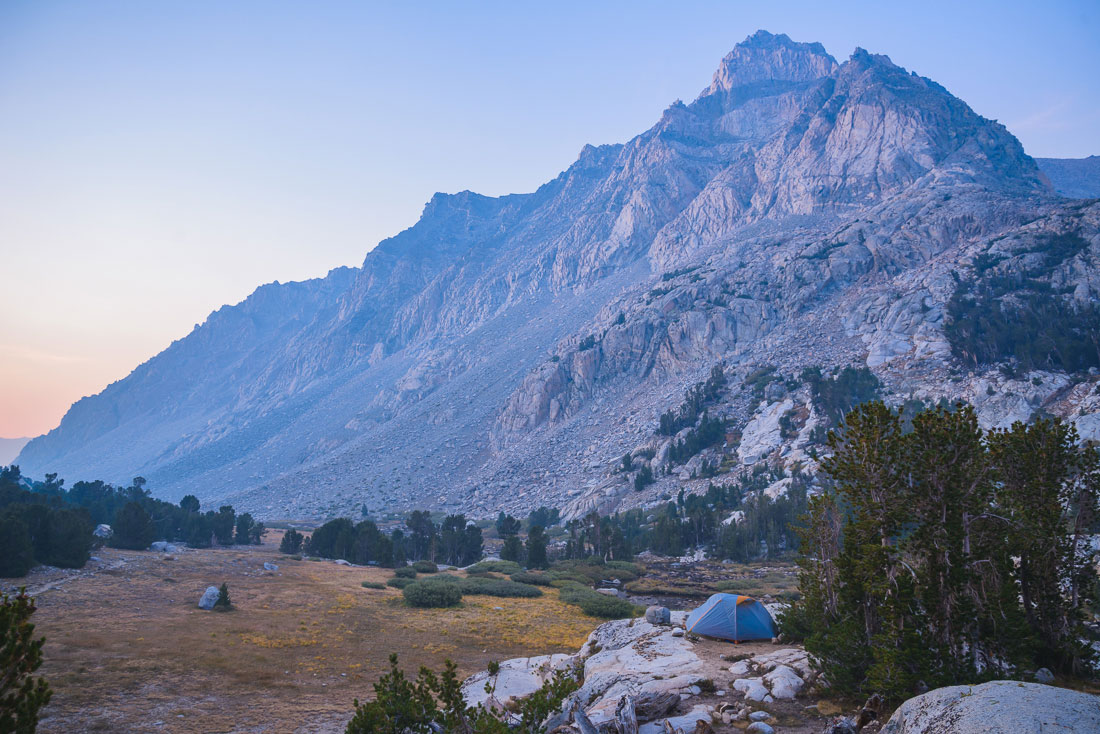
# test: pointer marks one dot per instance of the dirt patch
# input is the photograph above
(127, 648)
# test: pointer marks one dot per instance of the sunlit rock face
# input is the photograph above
(505, 352)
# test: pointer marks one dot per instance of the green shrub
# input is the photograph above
(535, 579)
(399, 583)
(406, 572)
(595, 604)
(592, 572)
(738, 586)
(373, 585)
(428, 594)
(562, 578)
(425, 567)
(505, 567)
(499, 587)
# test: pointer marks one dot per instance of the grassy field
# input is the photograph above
(129, 650)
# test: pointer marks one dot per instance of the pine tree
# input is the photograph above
(21, 694)
(291, 542)
(536, 548)
(133, 528)
(512, 549)
(223, 603)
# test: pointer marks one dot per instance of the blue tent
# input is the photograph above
(732, 617)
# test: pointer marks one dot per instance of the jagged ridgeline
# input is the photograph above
(507, 352)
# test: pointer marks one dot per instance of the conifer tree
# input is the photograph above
(21, 694)
(536, 548)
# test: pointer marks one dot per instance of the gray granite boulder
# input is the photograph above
(658, 615)
(997, 707)
(209, 598)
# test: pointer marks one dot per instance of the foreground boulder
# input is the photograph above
(625, 657)
(209, 598)
(634, 657)
(997, 707)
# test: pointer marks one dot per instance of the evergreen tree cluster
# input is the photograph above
(544, 517)
(454, 541)
(50, 524)
(1011, 311)
(709, 432)
(835, 395)
(698, 397)
(765, 529)
(39, 528)
(530, 553)
(292, 542)
(943, 555)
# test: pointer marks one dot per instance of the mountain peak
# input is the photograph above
(767, 57)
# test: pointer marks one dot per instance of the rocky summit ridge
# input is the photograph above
(506, 352)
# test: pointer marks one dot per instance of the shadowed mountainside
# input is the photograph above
(505, 352)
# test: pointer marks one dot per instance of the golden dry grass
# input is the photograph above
(128, 649)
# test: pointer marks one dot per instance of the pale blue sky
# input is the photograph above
(159, 159)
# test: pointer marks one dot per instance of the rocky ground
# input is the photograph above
(726, 685)
(678, 682)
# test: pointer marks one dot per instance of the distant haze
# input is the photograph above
(158, 160)
(10, 448)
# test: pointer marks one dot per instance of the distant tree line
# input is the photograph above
(943, 555)
(454, 541)
(762, 530)
(37, 528)
(47, 523)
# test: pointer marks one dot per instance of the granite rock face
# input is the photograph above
(997, 707)
(799, 212)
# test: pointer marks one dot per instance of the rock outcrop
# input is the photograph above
(997, 707)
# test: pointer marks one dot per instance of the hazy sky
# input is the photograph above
(160, 159)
